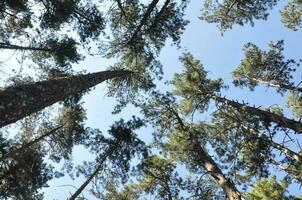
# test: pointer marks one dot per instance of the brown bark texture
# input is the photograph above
(264, 115)
(17, 102)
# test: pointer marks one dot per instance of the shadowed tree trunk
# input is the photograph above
(97, 169)
(264, 115)
(29, 144)
(143, 21)
(17, 47)
(17, 102)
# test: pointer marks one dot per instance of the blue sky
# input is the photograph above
(220, 56)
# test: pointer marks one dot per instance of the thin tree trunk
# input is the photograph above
(17, 47)
(94, 173)
(285, 169)
(29, 144)
(264, 115)
(17, 102)
(209, 164)
(279, 85)
(280, 147)
(143, 21)
(119, 4)
(287, 151)
(160, 13)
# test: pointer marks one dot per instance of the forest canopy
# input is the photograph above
(199, 100)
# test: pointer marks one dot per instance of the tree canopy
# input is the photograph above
(184, 136)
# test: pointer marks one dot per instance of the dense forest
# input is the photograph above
(184, 136)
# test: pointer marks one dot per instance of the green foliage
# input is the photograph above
(57, 13)
(119, 148)
(133, 33)
(24, 174)
(228, 13)
(264, 66)
(193, 83)
(294, 102)
(159, 178)
(240, 142)
(269, 189)
(175, 137)
(113, 193)
(63, 52)
(72, 117)
(292, 15)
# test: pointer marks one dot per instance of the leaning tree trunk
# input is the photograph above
(17, 47)
(17, 102)
(205, 161)
(143, 21)
(97, 169)
(279, 85)
(212, 168)
(286, 170)
(283, 149)
(29, 144)
(264, 115)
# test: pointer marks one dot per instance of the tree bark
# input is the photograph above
(17, 102)
(264, 115)
(279, 85)
(280, 147)
(286, 170)
(212, 168)
(143, 21)
(94, 173)
(27, 145)
(17, 47)
(206, 162)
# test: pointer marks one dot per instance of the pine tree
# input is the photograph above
(270, 189)
(196, 88)
(186, 141)
(20, 101)
(266, 67)
(118, 149)
(292, 15)
(228, 13)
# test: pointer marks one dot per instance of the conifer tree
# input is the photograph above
(186, 142)
(118, 149)
(20, 101)
(266, 67)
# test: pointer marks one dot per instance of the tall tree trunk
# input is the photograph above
(17, 102)
(17, 47)
(29, 144)
(264, 115)
(143, 21)
(278, 85)
(212, 168)
(206, 162)
(97, 169)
